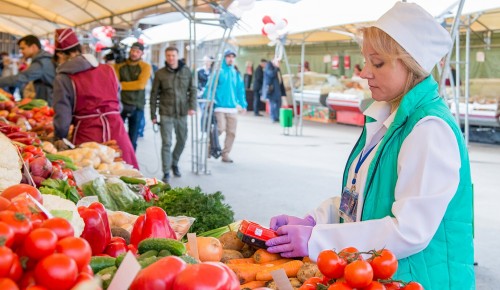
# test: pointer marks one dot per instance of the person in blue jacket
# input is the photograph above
(228, 101)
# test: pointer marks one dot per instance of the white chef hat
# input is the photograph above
(417, 32)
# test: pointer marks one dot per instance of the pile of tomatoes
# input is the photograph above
(348, 269)
(36, 252)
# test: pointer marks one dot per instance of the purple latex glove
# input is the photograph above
(283, 220)
(291, 242)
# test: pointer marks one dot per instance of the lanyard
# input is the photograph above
(358, 165)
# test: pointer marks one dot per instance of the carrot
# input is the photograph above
(262, 256)
(276, 262)
(291, 269)
(241, 261)
(245, 272)
(253, 285)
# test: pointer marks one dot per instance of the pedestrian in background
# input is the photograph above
(257, 86)
(174, 88)
(273, 88)
(229, 100)
(133, 75)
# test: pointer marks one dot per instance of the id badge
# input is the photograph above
(348, 205)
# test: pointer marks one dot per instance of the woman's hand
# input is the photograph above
(282, 220)
(292, 241)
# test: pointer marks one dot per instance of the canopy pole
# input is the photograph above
(467, 72)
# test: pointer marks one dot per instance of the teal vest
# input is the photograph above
(447, 262)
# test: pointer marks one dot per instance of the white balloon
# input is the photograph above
(281, 24)
(270, 28)
(106, 42)
(273, 36)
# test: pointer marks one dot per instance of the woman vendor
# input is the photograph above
(407, 183)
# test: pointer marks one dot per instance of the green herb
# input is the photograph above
(208, 209)
(60, 188)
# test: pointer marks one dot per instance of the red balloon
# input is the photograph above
(267, 19)
(264, 32)
(284, 19)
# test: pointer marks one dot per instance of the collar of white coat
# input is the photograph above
(380, 113)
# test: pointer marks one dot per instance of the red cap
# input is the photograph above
(65, 39)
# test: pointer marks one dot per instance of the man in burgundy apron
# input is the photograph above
(86, 95)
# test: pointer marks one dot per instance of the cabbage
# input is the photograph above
(57, 205)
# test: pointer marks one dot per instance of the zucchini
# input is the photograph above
(164, 253)
(98, 263)
(148, 261)
(159, 188)
(148, 254)
(132, 180)
(119, 260)
(175, 247)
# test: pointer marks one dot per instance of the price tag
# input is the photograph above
(282, 282)
(126, 273)
(193, 246)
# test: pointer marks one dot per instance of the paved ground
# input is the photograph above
(274, 174)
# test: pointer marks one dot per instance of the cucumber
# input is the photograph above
(132, 180)
(164, 253)
(107, 275)
(175, 247)
(159, 188)
(148, 254)
(119, 260)
(189, 259)
(148, 261)
(98, 263)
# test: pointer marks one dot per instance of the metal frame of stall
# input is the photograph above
(200, 140)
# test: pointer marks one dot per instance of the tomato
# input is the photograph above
(69, 173)
(28, 157)
(349, 254)
(413, 286)
(16, 270)
(392, 286)
(330, 264)
(87, 269)
(28, 279)
(308, 286)
(203, 276)
(84, 277)
(6, 260)
(4, 203)
(375, 285)
(56, 272)
(36, 287)
(314, 280)
(15, 190)
(340, 286)
(61, 227)
(36, 151)
(115, 249)
(8, 284)
(233, 281)
(358, 274)
(40, 243)
(6, 234)
(76, 248)
(384, 264)
(159, 275)
(18, 223)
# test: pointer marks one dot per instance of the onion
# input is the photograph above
(38, 180)
(41, 166)
(209, 249)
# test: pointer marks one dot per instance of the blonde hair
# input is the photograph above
(389, 49)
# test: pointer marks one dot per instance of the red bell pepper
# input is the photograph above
(97, 206)
(94, 231)
(115, 249)
(153, 224)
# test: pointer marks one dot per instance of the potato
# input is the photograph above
(248, 251)
(293, 281)
(229, 255)
(230, 241)
(307, 271)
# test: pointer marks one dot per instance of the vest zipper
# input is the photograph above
(376, 165)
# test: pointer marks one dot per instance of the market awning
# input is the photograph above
(42, 17)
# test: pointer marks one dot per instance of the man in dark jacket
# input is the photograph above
(273, 88)
(133, 75)
(174, 88)
(41, 71)
(257, 86)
